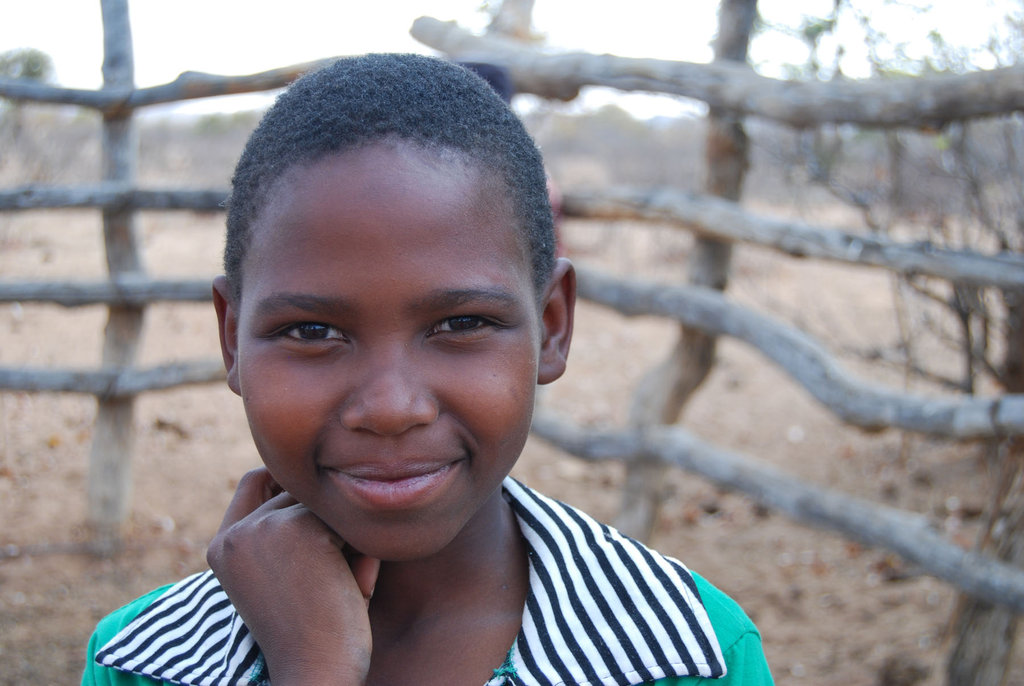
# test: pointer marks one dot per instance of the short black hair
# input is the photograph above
(357, 101)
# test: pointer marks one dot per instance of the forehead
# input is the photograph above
(403, 207)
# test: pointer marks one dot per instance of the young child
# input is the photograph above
(391, 302)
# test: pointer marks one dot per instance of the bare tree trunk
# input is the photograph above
(1012, 372)
(110, 458)
(984, 634)
(664, 391)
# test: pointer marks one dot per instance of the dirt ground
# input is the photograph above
(831, 612)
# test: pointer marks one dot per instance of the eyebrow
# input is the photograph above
(300, 301)
(443, 298)
(439, 299)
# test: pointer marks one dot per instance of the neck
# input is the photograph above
(485, 566)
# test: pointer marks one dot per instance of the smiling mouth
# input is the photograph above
(390, 489)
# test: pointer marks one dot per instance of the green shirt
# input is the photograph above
(737, 636)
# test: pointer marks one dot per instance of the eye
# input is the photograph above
(313, 331)
(459, 324)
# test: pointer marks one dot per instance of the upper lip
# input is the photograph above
(389, 459)
(391, 470)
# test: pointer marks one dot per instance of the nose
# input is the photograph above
(388, 398)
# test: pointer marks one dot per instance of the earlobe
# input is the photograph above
(557, 320)
(227, 321)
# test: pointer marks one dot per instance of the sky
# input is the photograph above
(248, 36)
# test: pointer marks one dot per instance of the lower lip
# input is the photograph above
(396, 494)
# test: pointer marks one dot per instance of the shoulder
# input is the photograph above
(185, 633)
(738, 637)
(731, 623)
(108, 627)
(601, 593)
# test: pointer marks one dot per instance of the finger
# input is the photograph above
(365, 570)
(255, 488)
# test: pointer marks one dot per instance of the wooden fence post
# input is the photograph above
(110, 477)
(983, 634)
(664, 391)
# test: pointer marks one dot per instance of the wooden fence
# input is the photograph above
(727, 88)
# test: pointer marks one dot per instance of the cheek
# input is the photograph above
(284, 412)
(503, 397)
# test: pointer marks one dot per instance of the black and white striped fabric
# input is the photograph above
(190, 635)
(602, 610)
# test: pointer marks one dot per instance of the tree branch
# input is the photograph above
(808, 363)
(111, 196)
(113, 383)
(916, 102)
(189, 85)
(122, 291)
(718, 218)
(908, 534)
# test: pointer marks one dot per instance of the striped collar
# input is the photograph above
(602, 609)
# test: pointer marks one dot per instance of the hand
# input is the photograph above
(302, 594)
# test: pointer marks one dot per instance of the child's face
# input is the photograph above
(388, 342)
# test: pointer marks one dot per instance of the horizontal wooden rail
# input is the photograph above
(911, 102)
(805, 360)
(112, 383)
(702, 214)
(916, 102)
(188, 86)
(910, 535)
(111, 196)
(123, 291)
(726, 220)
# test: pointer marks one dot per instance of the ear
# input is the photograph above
(559, 305)
(227, 321)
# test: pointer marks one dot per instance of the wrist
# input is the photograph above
(315, 677)
(296, 670)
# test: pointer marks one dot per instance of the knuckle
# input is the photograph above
(225, 547)
(253, 478)
(214, 553)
